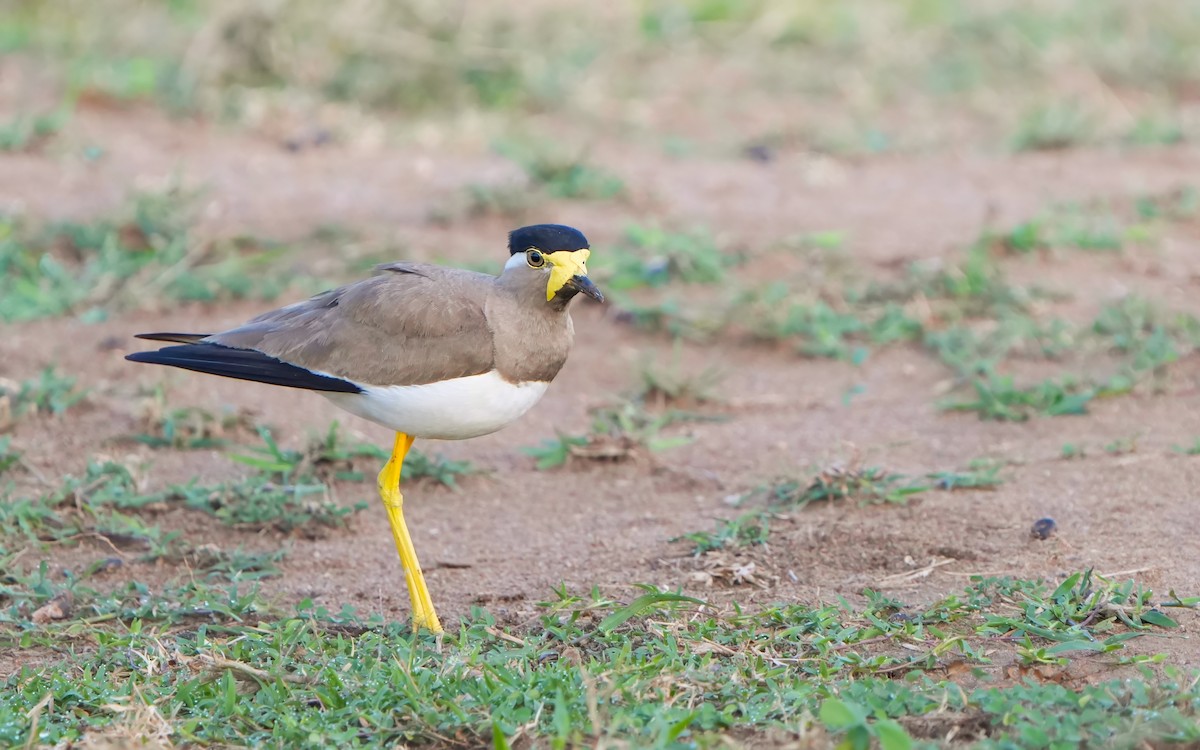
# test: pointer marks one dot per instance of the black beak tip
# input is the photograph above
(585, 285)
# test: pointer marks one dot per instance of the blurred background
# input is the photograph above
(848, 78)
(418, 123)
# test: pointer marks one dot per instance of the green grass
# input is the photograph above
(25, 132)
(92, 606)
(264, 501)
(863, 485)
(1099, 225)
(661, 670)
(144, 254)
(286, 492)
(560, 174)
(92, 507)
(745, 530)
(1071, 228)
(1053, 126)
(550, 172)
(506, 200)
(328, 457)
(1121, 446)
(653, 257)
(999, 397)
(1071, 451)
(293, 489)
(1155, 129)
(1188, 450)
(622, 432)
(981, 474)
(50, 393)
(9, 455)
(969, 317)
(187, 427)
(668, 382)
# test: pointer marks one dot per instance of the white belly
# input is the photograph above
(450, 410)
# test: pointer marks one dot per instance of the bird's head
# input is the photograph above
(553, 255)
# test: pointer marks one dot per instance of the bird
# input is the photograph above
(424, 350)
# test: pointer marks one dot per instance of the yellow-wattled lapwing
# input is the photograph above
(427, 351)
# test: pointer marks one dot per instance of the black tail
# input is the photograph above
(243, 364)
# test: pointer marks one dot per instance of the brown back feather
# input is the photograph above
(409, 324)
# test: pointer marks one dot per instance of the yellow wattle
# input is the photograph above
(563, 266)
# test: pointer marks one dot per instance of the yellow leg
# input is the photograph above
(393, 501)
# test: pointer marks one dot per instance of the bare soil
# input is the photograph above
(506, 538)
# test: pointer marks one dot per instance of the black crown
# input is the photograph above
(549, 238)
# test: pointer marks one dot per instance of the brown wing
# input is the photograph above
(409, 324)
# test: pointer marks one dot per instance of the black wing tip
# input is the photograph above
(178, 338)
(243, 364)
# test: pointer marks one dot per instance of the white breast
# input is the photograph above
(448, 410)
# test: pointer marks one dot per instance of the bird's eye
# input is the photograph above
(534, 258)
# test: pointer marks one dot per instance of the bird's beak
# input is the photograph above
(569, 270)
(585, 285)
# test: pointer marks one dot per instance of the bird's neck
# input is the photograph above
(531, 341)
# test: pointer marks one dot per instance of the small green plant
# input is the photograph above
(653, 257)
(24, 132)
(1151, 130)
(673, 318)
(328, 458)
(817, 328)
(555, 452)
(1179, 204)
(188, 427)
(1073, 450)
(630, 423)
(998, 397)
(852, 721)
(287, 491)
(236, 564)
(1095, 227)
(1078, 609)
(673, 384)
(980, 475)
(37, 609)
(437, 469)
(743, 531)
(1149, 338)
(50, 393)
(290, 490)
(1053, 126)
(9, 456)
(1188, 450)
(620, 432)
(560, 175)
(508, 200)
(829, 239)
(145, 253)
(91, 507)
(866, 486)
(266, 501)
(1121, 446)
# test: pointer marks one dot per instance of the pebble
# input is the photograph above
(1043, 528)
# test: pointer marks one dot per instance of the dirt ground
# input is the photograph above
(503, 540)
